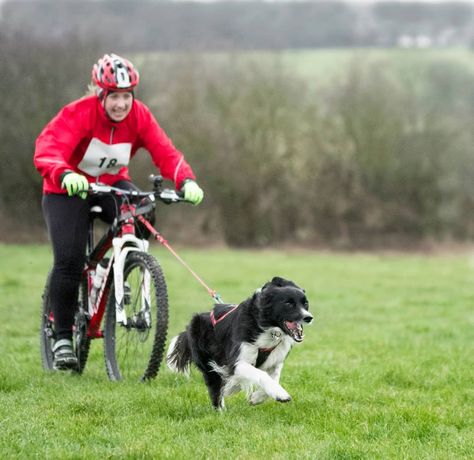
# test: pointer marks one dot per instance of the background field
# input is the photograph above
(341, 148)
(386, 371)
(322, 64)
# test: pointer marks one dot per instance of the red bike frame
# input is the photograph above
(125, 227)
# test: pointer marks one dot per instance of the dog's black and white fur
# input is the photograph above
(245, 348)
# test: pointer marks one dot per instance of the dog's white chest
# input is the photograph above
(275, 345)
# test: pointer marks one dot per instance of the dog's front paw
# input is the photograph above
(257, 397)
(285, 400)
(281, 395)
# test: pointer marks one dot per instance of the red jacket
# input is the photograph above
(83, 139)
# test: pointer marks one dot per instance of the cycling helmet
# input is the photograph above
(114, 73)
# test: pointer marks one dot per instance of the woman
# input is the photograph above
(93, 139)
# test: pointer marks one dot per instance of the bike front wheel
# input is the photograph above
(134, 351)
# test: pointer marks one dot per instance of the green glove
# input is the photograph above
(192, 192)
(75, 184)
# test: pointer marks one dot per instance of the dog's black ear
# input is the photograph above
(277, 281)
(280, 282)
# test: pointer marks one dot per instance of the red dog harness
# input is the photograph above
(214, 321)
(232, 308)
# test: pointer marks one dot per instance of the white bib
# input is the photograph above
(101, 158)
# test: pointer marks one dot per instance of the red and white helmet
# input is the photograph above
(114, 73)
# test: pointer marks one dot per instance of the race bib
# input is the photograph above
(101, 158)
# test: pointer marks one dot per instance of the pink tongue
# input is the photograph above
(291, 325)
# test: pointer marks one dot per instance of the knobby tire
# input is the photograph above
(47, 335)
(136, 352)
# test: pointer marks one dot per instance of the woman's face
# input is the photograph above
(118, 105)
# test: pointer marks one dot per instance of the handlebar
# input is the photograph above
(164, 194)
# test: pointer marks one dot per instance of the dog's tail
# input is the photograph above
(178, 357)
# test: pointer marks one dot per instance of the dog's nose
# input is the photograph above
(308, 318)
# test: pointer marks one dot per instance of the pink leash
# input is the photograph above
(217, 298)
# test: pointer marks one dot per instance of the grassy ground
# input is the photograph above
(386, 371)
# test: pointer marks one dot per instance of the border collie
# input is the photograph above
(244, 346)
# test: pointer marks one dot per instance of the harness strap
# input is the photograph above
(214, 321)
(268, 350)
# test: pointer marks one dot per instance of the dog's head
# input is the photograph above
(283, 304)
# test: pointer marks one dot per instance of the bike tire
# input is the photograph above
(135, 351)
(48, 334)
(82, 342)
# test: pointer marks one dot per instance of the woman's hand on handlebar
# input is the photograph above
(192, 192)
(75, 184)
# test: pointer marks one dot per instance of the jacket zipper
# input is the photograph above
(112, 130)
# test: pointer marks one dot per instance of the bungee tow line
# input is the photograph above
(217, 298)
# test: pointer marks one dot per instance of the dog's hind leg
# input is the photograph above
(215, 386)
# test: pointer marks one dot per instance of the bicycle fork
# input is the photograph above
(122, 246)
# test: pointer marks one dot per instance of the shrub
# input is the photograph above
(37, 80)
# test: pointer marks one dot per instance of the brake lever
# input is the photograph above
(170, 196)
(102, 188)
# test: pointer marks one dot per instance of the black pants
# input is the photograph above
(67, 219)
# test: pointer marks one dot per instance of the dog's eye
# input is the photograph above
(291, 303)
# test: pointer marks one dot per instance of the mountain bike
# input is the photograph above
(123, 285)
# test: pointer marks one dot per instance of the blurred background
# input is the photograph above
(332, 124)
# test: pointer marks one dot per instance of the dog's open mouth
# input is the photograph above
(295, 330)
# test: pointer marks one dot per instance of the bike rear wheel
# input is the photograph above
(48, 333)
(134, 351)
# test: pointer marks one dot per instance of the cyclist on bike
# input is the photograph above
(93, 139)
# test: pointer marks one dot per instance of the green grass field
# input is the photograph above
(318, 65)
(386, 370)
